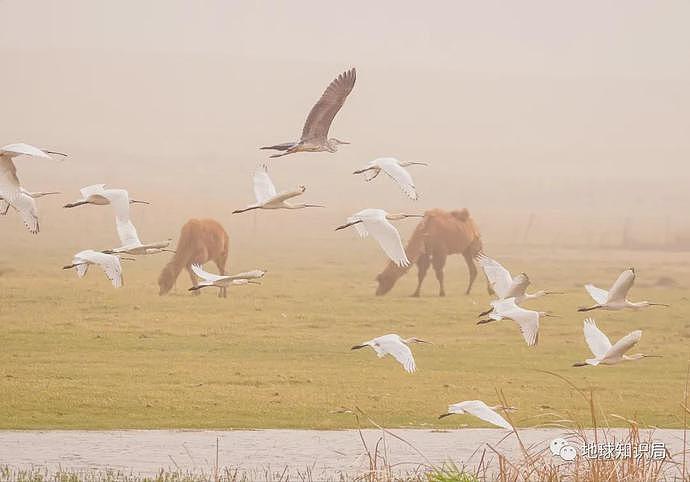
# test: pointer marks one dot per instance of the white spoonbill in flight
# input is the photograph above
(395, 346)
(109, 263)
(315, 132)
(616, 298)
(11, 190)
(129, 238)
(223, 281)
(5, 206)
(267, 197)
(482, 411)
(395, 170)
(605, 353)
(98, 195)
(376, 222)
(528, 320)
(506, 286)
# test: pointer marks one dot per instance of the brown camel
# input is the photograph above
(438, 234)
(201, 240)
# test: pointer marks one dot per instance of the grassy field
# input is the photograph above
(79, 354)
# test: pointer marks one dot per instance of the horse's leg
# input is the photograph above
(195, 281)
(423, 263)
(469, 259)
(438, 261)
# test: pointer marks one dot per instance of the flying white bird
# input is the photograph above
(395, 170)
(11, 191)
(97, 194)
(129, 238)
(395, 346)
(506, 286)
(109, 263)
(315, 132)
(617, 297)
(375, 222)
(528, 320)
(268, 198)
(5, 206)
(605, 353)
(223, 281)
(482, 411)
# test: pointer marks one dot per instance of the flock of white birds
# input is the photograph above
(510, 291)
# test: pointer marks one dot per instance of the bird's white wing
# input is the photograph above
(359, 227)
(322, 114)
(529, 325)
(623, 345)
(619, 290)
(119, 199)
(597, 294)
(127, 233)
(27, 209)
(482, 411)
(400, 175)
(109, 263)
(499, 278)
(285, 195)
(199, 271)
(519, 286)
(598, 342)
(263, 186)
(19, 149)
(4, 206)
(9, 182)
(94, 189)
(388, 238)
(392, 345)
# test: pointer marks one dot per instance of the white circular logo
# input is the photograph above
(557, 444)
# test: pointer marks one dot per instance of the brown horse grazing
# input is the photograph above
(439, 234)
(201, 240)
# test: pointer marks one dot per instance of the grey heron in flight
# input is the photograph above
(315, 132)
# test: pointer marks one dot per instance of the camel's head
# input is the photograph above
(166, 280)
(386, 280)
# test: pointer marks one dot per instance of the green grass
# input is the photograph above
(79, 354)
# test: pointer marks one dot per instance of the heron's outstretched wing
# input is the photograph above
(597, 294)
(388, 238)
(528, 320)
(482, 411)
(391, 344)
(19, 149)
(623, 345)
(599, 344)
(619, 290)
(498, 277)
(400, 175)
(263, 186)
(322, 114)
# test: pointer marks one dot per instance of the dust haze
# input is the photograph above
(554, 123)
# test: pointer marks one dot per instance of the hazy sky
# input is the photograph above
(546, 106)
